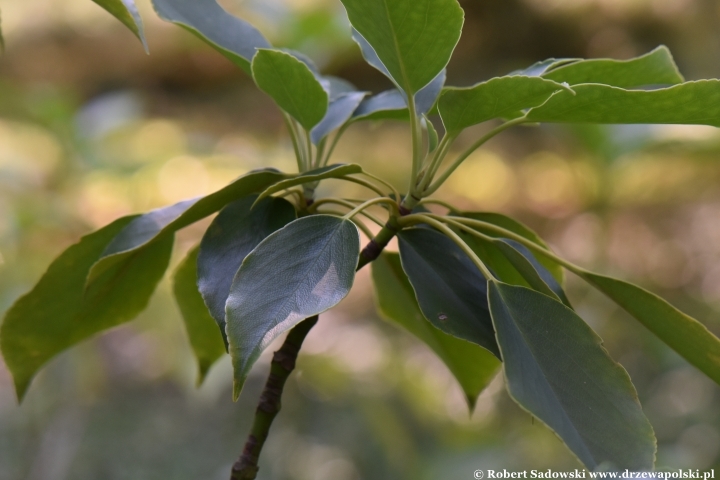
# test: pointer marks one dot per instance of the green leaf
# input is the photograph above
(433, 138)
(691, 103)
(205, 339)
(127, 13)
(557, 369)
(312, 177)
(518, 228)
(497, 98)
(653, 68)
(234, 233)
(413, 39)
(292, 85)
(299, 271)
(236, 39)
(339, 112)
(688, 337)
(450, 289)
(59, 311)
(538, 69)
(165, 221)
(473, 366)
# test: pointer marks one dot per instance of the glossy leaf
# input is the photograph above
(292, 85)
(688, 337)
(518, 228)
(59, 312)
(313, 176)
(653, 68)
(413, 39)
(299, 271)
(236, 39)
(126, 11)
(497, 98)
(692, 103)
(449, 288)
(235, 232)
(165, 221)
(339, 112)
(473, 366)
(557, 369)
(205, 339)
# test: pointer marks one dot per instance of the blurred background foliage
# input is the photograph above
(91, 128)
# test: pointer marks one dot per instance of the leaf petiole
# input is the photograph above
(374, 201)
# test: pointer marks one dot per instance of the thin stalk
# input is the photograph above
(346, 204)
(463, 156)
(294, 137)
(417, 145)
(437, 159)
(365, 184)
(384, 183)
(428, 219)
(360, 208)
(320, 151)
(334, 143)
(309, 147)
(434, 201)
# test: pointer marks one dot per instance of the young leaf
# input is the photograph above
(518, 228)
(205, 339)
(59, 312)
(164, 221)
(688, 337)
(557, 369)
(299, 271)
(126, 11)
(236, 39)
(292, 85)
(497, 98)
(413, 39)
(234, 233)
(339, 112)
(473, 366)
(450, 289)
(692, 103)
(313, 176)
(654, 68)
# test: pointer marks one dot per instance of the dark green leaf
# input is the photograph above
(60, 312)
(682, 333)
(234, 233)
(497, 98)
(236, 39)
(519, 229)
(450, 289)
(338, 113)
(299, 271)
(473, 366)
(313, 176)
(127, 13)
(205, 339)
(165, 221)
(413, 39)
(653, 68)
(692, 103)
(292, 84)
(557, 369)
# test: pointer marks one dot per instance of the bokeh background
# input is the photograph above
(92, 128)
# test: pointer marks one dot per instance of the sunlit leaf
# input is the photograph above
(235, 232)
(236, 39)
(692, 103)
(688, 337)
(557, 369)
(449, 288)
(126, 11)
(205, 339)
(653, 68)
(299, 271)
(312, 177)
(164, 221)
(497, 98)
(412, 39)
(473, 366)
(60, 312)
